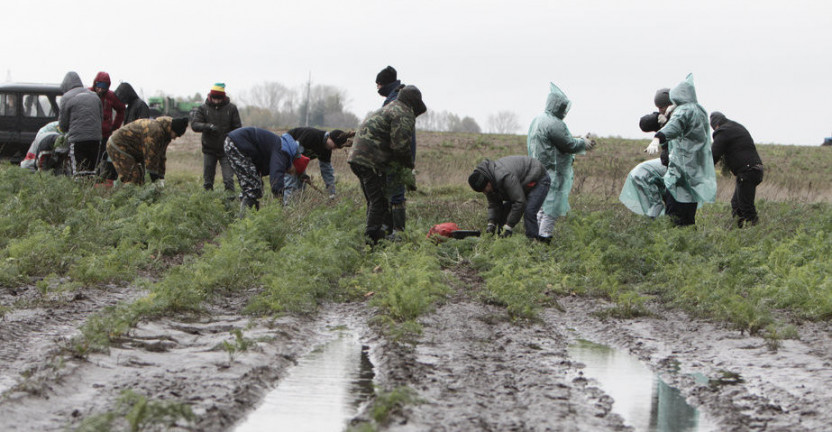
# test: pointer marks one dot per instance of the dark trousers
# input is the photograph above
(374, 186)
(84, 157)
(682, 214)
(745, 191)
(209, 171)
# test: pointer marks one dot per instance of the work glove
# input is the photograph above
(491, 228)
(211, 128)
(160, 183)
(507, 232)
(589, 143)
(653, 148)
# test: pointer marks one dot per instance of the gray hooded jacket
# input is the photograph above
(511, 177)
(81, 111)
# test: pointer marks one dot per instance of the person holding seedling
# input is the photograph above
(142, 146)
(551, 143)
(317, 144)
(735, 147)
(515, 186)
(690, 178)
(383, 141)
(254, 153)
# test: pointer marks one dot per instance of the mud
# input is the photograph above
(471, 368)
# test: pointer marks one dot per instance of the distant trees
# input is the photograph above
(503, 122)
(446, 122)
(272, 104)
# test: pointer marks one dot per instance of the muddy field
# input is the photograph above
(472, 369)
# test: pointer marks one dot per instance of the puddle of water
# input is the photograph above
(644, 401)
(321, 393)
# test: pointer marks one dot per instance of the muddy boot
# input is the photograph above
(544, 240)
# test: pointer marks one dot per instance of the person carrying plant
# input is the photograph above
(317, 144)
(215, 119)
(515, 186)
(253, 153)
(550, 142)
(690, 178)
(142, 146)
(735, 147)
(383, 141)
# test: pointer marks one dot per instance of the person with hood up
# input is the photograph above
(136, 107)
(389, 86)
(215, 119)
(40, 151)
(383, 140)
(317, 144)
(735, 147)
(515, 186)
(142, 146)
(110, 103)
(80, 118)
(254, 153)
(550, 142)
(690, 178)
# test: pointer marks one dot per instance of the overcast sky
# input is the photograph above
(766, 64)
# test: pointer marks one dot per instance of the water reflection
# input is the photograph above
(321, 393)
(644, 401)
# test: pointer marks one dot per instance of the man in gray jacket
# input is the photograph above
(515, 186)
(80, 118)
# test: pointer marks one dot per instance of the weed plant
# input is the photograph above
(138, 413)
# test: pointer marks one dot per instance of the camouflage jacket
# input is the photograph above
(385, 137)
(145, 140)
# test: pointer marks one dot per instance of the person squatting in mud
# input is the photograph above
(383, 145)
(550, 142)
(142, 146)
(514, 186)
(316, 144)
(734, 146)
(254, 153)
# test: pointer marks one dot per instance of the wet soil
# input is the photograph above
(471, 368)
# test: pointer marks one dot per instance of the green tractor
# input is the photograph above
(168, 106)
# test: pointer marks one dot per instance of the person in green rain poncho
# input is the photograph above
(643, 191)
(690, 178)
(550, 142)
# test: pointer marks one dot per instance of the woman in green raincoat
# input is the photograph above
(550, 142)
(690, 178)
(643, 191)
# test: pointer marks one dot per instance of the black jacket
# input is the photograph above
(136, 107)
(313, 142)
(732, 141)
(223, 115)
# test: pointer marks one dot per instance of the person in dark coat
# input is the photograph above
(254, 152)
(515, 187)
(215, 119)
(80, 118)
(389, 86)
(136, 107)
(654, 121)
(735, 147)
(317, 144)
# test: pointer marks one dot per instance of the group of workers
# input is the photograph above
(534, 187)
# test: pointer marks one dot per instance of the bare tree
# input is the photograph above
(269, 95)
(503, 122)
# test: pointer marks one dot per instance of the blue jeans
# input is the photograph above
(534, 201)
(292, 183)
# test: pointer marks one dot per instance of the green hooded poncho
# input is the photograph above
(644, 188)
(550, 142)
(690, 173)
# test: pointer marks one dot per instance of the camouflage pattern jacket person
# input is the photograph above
(385, 137)
(139, 146)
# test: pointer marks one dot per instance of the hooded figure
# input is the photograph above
(110, 103)
(136, 107)
(551, 143)
(42, 146)
(643, 191)
(80, 118)
(690, 176)
(515, 186)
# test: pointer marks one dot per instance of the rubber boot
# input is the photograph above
(399, 215)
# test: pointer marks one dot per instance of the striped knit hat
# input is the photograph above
(217, 90)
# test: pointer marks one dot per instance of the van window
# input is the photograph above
(35, 105)
(8, 104)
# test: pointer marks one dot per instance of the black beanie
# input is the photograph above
(477, 181)
(179, 125)
(339, 137)
(662, 98)
(386, 76)
(717, 118)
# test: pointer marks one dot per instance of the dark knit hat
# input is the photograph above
(179, 125)
(717, 118)
(339, 137)
(386, 76)
(477, 181)
(662, 98)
